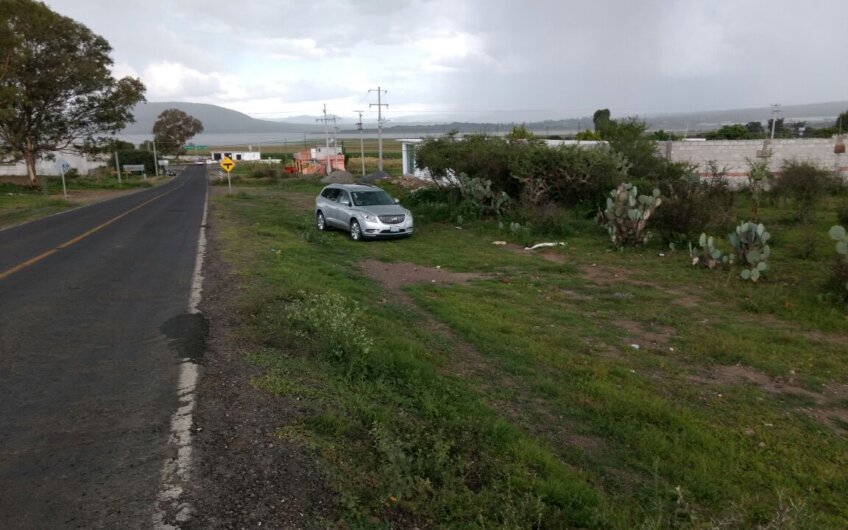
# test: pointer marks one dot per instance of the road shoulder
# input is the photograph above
(243, 474)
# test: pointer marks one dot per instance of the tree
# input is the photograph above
(173, 128)
(601, 119)
(755, 128)
(841, 123)
(779, 127)
(730, 132)
(519, 133)
(56, 89)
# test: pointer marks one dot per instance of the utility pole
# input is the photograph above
(379, 106)
(361, 142)
(155, 158)
(326, 120)
(775, 110)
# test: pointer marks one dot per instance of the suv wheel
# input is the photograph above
(355, 230)
(320, 222)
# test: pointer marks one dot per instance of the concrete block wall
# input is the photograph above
(734, 154)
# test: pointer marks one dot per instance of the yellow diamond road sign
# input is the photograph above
(227, 164)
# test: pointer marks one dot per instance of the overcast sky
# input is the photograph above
(484, 59)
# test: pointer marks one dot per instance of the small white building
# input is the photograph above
(407, 151)
(237, 156)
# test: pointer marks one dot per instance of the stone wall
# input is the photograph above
(734, 154)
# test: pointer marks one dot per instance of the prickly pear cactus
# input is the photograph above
(837, 233)
(708, 255)
(749, 241)
(627, 214)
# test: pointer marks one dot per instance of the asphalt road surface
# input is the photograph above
(93, 323)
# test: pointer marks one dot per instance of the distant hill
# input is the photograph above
(215, 119)
(220, 120)
(815, 114)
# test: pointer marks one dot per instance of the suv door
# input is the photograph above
(343, 209)
(327, 205)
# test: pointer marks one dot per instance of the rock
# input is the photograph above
(338, 177)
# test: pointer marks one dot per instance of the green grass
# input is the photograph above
(17, 208)
(20, 203)
(535, 411)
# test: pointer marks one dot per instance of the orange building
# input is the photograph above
(314, 161)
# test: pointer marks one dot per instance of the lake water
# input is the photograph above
(256, 140)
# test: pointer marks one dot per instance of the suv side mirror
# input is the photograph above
(345, 202)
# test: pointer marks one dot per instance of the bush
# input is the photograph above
(838, 283)
(332, 321)
(842, 213)
(478, 156)
(435, 203)
(805, 184)
(692, 206)
(567, 175)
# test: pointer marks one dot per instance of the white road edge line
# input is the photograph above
(175, 472)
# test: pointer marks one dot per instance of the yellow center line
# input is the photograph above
(21, 266)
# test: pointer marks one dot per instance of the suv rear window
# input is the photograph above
(330, 193)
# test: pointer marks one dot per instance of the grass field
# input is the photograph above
(20, 203)
(572, 388)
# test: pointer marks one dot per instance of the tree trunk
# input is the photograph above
(29, 157)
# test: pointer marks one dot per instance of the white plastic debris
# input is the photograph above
(546, 244)
(499, 242)
(634, 346)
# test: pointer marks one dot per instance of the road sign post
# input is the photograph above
(228, 165)
(63, 166)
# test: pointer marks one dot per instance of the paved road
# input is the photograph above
(90, 335)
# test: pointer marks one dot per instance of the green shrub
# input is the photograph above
(842, 213)
(478, 156)
(759, 180)
(692, 206)
(332, 322)
(838, 283)
(567, 175)
(805, 184)
(436, 203)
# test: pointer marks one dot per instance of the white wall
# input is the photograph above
(49, 167)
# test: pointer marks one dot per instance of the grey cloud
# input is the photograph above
(651, 55)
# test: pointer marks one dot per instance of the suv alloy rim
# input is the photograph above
(355, 231)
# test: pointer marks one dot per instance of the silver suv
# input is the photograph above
(365, 211)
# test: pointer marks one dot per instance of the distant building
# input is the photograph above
(82, 163)
(237, 156)
(408, 165)
(314, 161)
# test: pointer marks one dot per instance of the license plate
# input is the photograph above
(394, 229)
